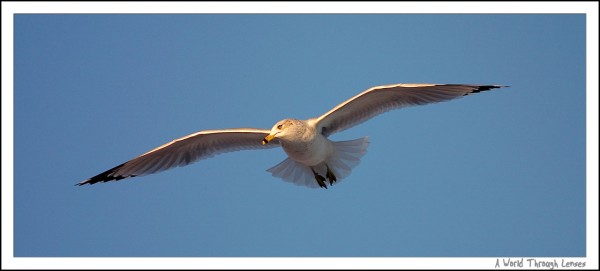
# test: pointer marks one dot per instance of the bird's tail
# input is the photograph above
(346, 156)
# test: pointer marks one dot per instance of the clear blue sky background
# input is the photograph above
(497, 174)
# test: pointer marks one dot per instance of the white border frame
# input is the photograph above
(11, 8)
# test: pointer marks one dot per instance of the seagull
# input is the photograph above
(313, 160)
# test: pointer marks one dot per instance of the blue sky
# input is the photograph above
(497, 174)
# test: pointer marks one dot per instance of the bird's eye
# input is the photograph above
(280, 126)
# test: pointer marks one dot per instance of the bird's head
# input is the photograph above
(282, 129)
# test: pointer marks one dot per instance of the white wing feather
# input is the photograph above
(186, 150)
(377, 100)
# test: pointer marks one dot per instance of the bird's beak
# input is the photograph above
(268, 139)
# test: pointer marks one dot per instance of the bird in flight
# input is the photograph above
(313, 160)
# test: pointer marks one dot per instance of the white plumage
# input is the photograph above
(313, 159)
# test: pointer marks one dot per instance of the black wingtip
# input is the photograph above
(486, 87)
(106, 176)
(102, 178)
(481, 88)
(82, 183)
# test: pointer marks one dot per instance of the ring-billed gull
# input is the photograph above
(313, 160)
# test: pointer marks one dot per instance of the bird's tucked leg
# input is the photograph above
(320, 179)
(330, 176)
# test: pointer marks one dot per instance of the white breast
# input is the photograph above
(310, 151)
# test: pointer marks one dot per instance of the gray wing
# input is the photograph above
(186, 150)
(377, 100)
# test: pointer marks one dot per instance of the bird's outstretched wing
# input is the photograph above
(380, 99)
(186, 150)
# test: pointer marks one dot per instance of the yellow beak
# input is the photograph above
(268, 139)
